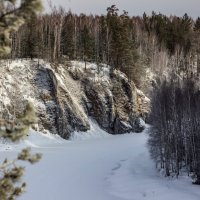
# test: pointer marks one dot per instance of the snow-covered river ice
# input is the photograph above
(97, 168)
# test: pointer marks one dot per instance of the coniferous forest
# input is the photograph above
(128, 43)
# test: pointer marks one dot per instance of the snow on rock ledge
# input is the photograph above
(65, 97)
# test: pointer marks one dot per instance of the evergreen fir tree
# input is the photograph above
(87, 44)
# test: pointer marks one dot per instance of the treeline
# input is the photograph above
(175, 113)
(180, 37)
(116, 39)
(172, 32)
(58, 36)
(175, 135)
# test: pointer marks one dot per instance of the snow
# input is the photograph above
(126, 124)
(94, 133)
(142, 123)
(98, 168)
(95, 72)
(16, 84)
(34, 139)
(29, 80)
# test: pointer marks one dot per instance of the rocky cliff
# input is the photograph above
(66, 96)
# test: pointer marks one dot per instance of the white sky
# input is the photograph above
(134, 7)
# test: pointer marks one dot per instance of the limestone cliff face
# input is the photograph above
(65, 97)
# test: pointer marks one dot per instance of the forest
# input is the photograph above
(130, 44)
(124, 42)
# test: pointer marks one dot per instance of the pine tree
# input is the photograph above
(113, 38)
(87, 44)
(197, 42)
(122, 51)
(68, 40)
(197, 25)
(11, 173)
(103, 45)
(12, 17)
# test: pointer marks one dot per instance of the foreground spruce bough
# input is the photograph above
(12, 16)
(11, 172)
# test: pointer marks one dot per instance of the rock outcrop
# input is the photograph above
(111, 106)
(66, 97)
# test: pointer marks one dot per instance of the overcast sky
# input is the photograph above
(134, 7)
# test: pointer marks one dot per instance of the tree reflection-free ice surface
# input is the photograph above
(99, 167)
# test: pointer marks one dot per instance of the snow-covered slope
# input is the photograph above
(58, 107)
(105, 168)
(66, 97)
(94, 133)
